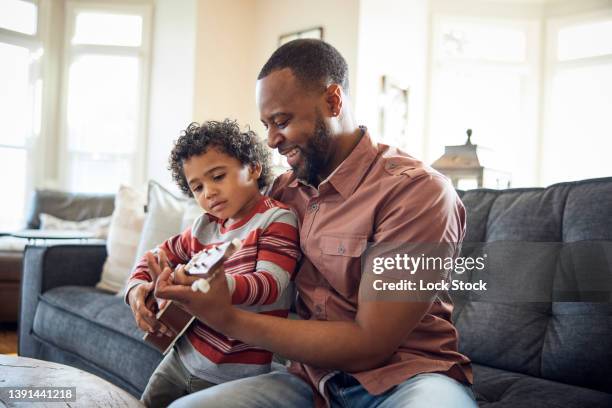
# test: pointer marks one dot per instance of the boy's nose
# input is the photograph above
(210, 192)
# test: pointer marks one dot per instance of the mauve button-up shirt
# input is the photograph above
(378, 194)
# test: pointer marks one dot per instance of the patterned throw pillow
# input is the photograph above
(97, 226)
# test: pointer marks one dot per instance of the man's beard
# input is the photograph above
(314, 153)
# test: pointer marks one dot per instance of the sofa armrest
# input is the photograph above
(47, 267)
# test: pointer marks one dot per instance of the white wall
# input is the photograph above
(172, 82)
(339, 19)
(207, 54)
(235, 38)
(225, 38)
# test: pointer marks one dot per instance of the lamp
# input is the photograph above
(470, 166)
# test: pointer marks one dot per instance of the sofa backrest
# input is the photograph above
(68, 206)
(548, 309)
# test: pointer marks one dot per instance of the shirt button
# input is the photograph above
(314, 207)
(341, 249)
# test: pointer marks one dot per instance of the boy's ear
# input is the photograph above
(255, 170)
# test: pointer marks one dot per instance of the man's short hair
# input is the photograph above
(315, 63)
(227, 138)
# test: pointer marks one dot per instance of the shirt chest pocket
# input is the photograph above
(340, 261)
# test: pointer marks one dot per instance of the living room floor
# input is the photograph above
(8, 338)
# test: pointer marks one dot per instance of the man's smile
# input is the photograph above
(292, 154)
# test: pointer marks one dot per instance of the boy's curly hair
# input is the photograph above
(225, 136)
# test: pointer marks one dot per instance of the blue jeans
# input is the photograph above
(282, 389)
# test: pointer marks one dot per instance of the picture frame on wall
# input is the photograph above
(316, 33)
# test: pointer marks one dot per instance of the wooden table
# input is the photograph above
(91, 391)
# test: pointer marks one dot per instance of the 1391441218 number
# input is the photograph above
(39, 394)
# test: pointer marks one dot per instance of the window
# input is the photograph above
(538, 91)
(483, 78)
(106, 71)
(91, 28)
(19, 16)
(584, 40)
(578, 134)
(21, 87)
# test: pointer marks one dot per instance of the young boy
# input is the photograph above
(224, 170)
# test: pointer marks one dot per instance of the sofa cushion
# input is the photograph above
(68, 206)
(98, 327)
(98, 227)
(533, 215)
(577, 347)
(588, 211)
(477, 205)
(547, 311)
(497, 388)
(485, 328)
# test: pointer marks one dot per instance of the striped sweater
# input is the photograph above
(259, 278)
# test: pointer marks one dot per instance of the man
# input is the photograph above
(350, 348)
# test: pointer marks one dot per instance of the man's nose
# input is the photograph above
(274, 138)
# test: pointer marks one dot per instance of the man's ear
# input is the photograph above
(255, 170)
(333, 97)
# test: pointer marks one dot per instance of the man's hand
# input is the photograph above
(214, 308)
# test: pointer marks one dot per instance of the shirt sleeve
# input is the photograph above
(421, 216)
(423, 210)
(277, 255)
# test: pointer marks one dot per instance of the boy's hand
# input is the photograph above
(144, 313)
(181, 278)
(178, 277)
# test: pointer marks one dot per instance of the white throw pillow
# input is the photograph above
(123, 237)
(97, 226)
(167, 215)
(192, 212)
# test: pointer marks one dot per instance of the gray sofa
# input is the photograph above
(67, 206)
(540, 337)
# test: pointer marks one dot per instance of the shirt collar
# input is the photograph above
(349, 173)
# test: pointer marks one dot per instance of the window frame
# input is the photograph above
(34, 43)
(529, 69)
(548, 19)
(72, 51)
(552, 66)
(38, 19)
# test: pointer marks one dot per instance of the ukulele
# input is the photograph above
(204, 266)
